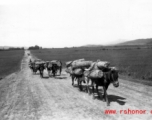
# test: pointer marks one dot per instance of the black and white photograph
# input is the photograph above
(75, 59)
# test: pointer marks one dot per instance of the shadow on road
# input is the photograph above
(60, 77)
(46, 77)
(118, 99)
(112, 98)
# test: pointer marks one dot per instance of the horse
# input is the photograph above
(108, 77)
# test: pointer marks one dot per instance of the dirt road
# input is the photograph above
(24, 96)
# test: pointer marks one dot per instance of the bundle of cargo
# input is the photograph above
(49, 64)
(37, 60)
(57, 62)
(113, 68)
(86, 73)
(94, 74)
(68, 64)
(103, 65)
(69, 70)
(79, 60)
(81, 64)
(54, 61)
(77, 71)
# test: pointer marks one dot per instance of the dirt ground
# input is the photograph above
(24, 96)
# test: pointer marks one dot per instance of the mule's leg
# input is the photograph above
(86, 80)
(78, 80)
(97, 90)
(80, 85)
(42, 74)
(49, 73)
(53, 72)
(93, 90)
(72, 80)
(60, 70)
(89, 91)
(106, 96)
(34, 71)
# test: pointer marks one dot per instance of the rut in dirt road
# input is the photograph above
(25, 96)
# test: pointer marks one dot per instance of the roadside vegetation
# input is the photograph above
(10, 61)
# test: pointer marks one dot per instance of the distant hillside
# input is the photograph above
(138, 42)
(91, 45)
(4, 47)
(9, 47)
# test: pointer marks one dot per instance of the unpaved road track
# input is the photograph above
(24, 96)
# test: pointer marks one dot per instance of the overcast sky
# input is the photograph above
(66, 23)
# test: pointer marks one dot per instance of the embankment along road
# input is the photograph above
(24, 96)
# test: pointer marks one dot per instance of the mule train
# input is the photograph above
(97, 73)
(52, 66)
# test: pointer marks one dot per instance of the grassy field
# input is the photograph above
(134, 62)
(10, 61)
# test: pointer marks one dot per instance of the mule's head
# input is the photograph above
(114, 77)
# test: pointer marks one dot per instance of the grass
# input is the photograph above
(133, 62)
(10, 61)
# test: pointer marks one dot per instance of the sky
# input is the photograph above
(68, 23)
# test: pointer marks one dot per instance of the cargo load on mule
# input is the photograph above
(40, 62)
(68, 64)
(37, 60)
(114, 69)
(81, 64)
(57, 62)
(69, 70)
(77, 66)
(103, 65)
(77, 71)
(93, 74)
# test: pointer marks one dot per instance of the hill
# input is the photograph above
(137, 42)
(91, 45)
(4, 47)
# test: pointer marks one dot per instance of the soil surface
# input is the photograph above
(25, 96)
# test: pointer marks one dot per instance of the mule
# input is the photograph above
(54, 67)
(49, 67)
(78, 75)
(59, 67)
(108, 77)
(79, 80)
(41, 69)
